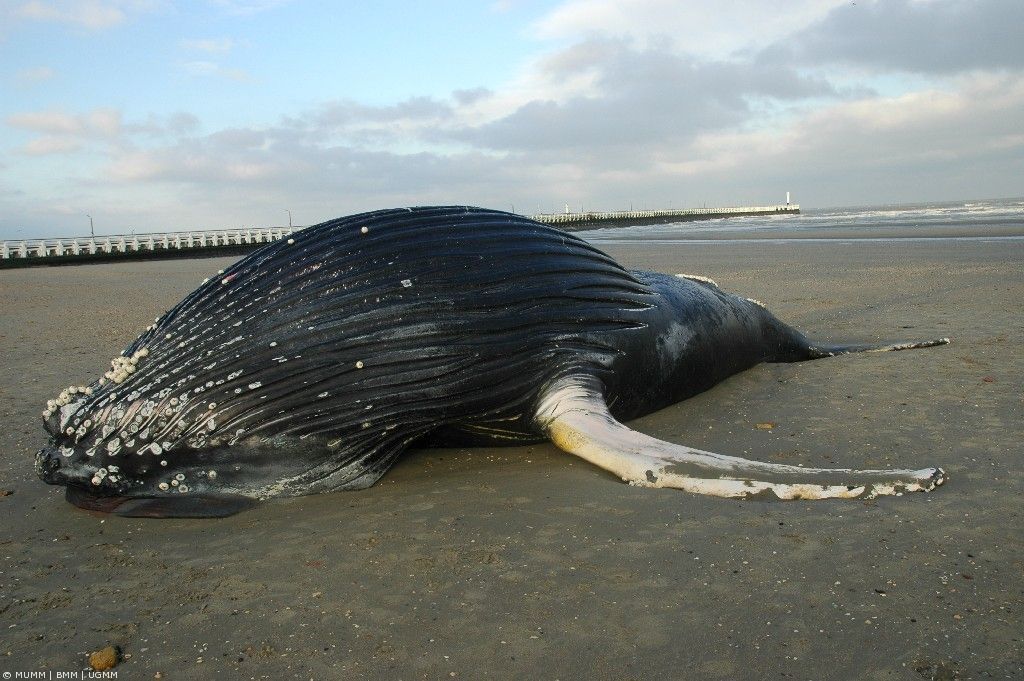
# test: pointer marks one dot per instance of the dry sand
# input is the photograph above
(527, 563)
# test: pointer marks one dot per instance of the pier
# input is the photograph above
(573, 222)
(207, 243)
(157, 245)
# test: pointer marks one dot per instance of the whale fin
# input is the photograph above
(198, 506)
(821, 350)
(574, 415)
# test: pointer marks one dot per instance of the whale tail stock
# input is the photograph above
(574, 415)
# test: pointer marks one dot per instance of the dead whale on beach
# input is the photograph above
(312, 364)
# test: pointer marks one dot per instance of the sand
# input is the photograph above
(527, 563)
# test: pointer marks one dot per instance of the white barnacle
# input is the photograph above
(254, 385)
(143, 352)
(323, 394)
(183, 488)
(211, 405)
(164, 486)
(179, 476)
(211, 474)
(70, 431)
(273, 344)
(407, 283)
(174, 483)
(168, 336)
(163, 462)
(364, 229)
(359, 364)
(291, 241)
(157, 449)
(96, 480)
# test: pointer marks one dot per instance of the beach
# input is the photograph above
(527, 562)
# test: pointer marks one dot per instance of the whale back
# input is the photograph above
(349, 340)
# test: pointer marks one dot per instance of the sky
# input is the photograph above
(155, 115)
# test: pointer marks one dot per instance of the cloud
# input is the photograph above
(45, 121)
(925, 145)
(208, 69)
(208, 45)
(639, 96)
(90, 14)
(709, 28)
(34, 76)
(249, 7)
(51, 144)
(471, 95)
(63, 133)
(99, 122)
(934, 37)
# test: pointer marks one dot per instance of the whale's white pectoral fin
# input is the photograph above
(574, 415)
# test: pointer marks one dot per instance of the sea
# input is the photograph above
(991, 219)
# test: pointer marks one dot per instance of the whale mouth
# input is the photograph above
(206, 506)
(88, 500)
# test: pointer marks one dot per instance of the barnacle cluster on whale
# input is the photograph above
(311, 364)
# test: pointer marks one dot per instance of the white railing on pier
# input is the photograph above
(139, 243)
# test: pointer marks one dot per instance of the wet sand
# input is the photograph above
(529, 563)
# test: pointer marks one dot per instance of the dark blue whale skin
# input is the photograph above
(313, 363)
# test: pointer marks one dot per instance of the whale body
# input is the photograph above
(311, 364)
